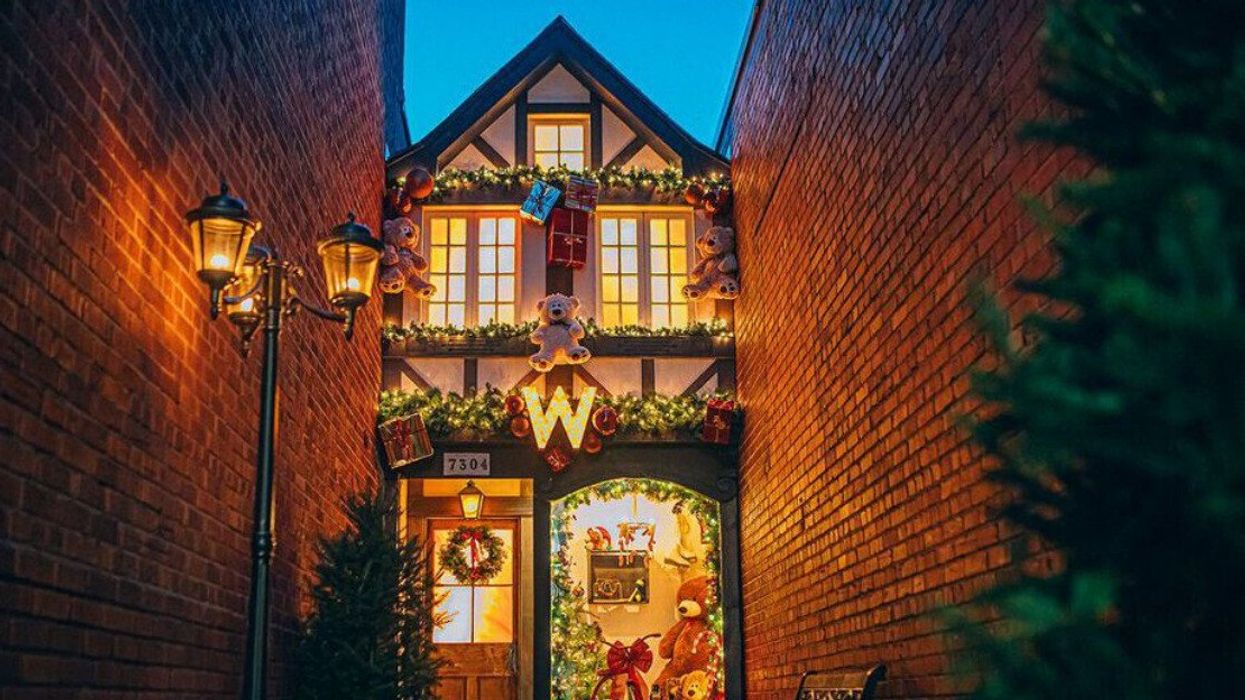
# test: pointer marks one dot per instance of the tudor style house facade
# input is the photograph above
(574, 577)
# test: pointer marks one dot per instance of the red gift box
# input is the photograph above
(719, 417)
(406, 440)
(581, 194)
(568, 238)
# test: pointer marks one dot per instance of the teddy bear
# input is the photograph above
(690, 644)
(696, 685)
(713, 277)
(401, 263)
(558, 333)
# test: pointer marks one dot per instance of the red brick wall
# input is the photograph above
(863, 504)
(127, 418)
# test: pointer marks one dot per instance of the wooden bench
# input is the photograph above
(840, 685)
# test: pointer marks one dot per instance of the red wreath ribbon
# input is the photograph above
(473, 549)
(630, 661)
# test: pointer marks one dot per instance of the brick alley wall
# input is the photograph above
(877, 171)
(127, 418)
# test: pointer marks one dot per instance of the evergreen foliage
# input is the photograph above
(1121, 432)
(370, 634)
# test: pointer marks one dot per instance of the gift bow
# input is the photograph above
(629, 661)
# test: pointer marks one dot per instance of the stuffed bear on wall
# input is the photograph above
(691, 643)
(558, 334)
(714, 276)
(401, 263)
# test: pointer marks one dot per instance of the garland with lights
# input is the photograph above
(575, 637)
(474, 554)
(493, 330)
(668, 180)
(485, 415)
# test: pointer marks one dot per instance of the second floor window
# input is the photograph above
(473, 261)
(560, 143)
(644, 262)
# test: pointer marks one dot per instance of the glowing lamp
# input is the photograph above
(559, 410)
(350, 256)
(221, 229)
(471, 498)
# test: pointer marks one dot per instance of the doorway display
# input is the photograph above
(635, 559)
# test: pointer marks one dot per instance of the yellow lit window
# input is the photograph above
(474, 613)
(667, 271)
(561, 143)
(620, 271)
(447, 270)
(496, 252)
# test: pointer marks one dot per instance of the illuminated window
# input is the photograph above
(473, 261)
(559, 143)
(620, 271)
(642, 276)
(476, 613)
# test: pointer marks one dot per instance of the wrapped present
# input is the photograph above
(568, 238)
(719, 418)
(581, 194)
(540, 201)
(406, 440)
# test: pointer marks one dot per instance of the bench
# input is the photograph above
(840, 685)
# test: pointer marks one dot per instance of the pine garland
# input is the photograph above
(668, 180)
(493, 330)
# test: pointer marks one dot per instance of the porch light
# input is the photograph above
(243, 296)
(221, 229)
(350, 255)
(471, 499)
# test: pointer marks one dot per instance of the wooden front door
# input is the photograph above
(478, 639)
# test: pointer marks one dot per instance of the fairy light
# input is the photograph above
(545, 419)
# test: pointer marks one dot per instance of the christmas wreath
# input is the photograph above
(474, 554)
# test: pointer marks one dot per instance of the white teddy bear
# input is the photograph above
(558, 334)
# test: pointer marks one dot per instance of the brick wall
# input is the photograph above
(127, 418)
(877, 171)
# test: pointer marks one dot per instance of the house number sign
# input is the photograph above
(465, 464)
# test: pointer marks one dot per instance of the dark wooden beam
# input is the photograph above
(471, 374)
(699, 382)
(627, 153)
(648, 377)
(520, 129)
(596, 128)
(531, 376)
(413, 374)
(559, 108)
(726, 374)
(489, 153)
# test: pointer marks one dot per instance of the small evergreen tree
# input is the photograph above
(1121, 433)
(370, 633)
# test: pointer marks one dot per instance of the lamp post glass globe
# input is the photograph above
(221, 230)
(243, 300)
(351, 256)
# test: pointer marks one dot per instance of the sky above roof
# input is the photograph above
(681, 53)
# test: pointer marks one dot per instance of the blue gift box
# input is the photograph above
(540, 201)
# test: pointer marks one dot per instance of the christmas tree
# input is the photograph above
(1119, 434)
(370, 633)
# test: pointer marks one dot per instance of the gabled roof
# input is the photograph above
(557, 44)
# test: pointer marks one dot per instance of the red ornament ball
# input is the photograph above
(419, 183)
(605, 420)
(592, 444)
(557, 458)
(694, 194)
(711, 202)
(515, 405)
(520, 426)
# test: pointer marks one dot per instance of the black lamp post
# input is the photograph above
(255, 288)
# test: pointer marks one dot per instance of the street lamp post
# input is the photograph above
(255, 288)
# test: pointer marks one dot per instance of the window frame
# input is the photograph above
(581, 120)
(644, 272)
(471, 314)
(435, 524)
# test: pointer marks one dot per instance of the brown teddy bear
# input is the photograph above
(713, 277)
(401, 263)
(558, 334)
(691, 643)
(696, 685)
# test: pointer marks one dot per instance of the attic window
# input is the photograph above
(560, 142)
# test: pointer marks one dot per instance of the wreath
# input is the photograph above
(474, 554)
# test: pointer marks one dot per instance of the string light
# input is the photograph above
(544, 420)
(668, 180)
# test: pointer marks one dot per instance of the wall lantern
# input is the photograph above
(255, 287)
(471, 498)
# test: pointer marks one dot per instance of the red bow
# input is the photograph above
(630, 661)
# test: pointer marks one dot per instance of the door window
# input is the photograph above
(479, 613)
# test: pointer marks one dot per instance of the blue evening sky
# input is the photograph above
(681, 53)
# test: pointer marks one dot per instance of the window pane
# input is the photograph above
(572, 137)
(610, 315)
(628, 260)
(547, 160)
(609, 260)
(456, 602)
(505, 289)
(436, 314)
(546, 137)
(440, 235)
(573, 161)
(659, 289)
(661, 316)
(439, 259)
(439, 282)
(657, 261)
(505, 313)
(458, 259)
(609, 288)
(488, 231)
(505, 260)
(457, 314)
(488, 260)
(678, 232)
(494, 609)
(678, 315)
(458, 288)
(630, 289)
(657, 232)
(627, 231)
(488, 289)
(609, 231)
(458, 232)
(630, 314)
(505, 231)
(678, 260)
(488, 312)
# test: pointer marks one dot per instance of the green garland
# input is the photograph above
(484, 415)
(455, 560)
(574, 636)
(669, 180)
(493, 330)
